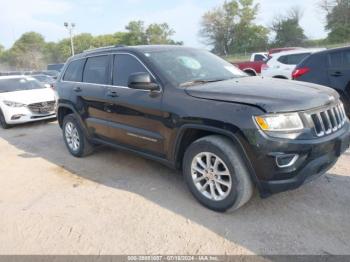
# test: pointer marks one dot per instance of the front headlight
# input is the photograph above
(280, 122)
(13, 104)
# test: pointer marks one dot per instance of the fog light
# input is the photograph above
(286, 160)
(16, 117)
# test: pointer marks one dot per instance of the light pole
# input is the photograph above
(70, 27)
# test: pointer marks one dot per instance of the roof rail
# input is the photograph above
(102, 48)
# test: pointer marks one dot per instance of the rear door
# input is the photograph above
(339, 74)
(91, 94)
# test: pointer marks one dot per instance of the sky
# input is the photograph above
(108, 16)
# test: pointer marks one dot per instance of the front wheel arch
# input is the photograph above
(234, 135)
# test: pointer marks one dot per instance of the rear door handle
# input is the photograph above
(77, 89)
(336, 74)
(112, 93)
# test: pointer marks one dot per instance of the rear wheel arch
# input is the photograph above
(190, 133)
(250, 71)
(280, 77)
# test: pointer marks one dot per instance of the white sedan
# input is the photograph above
(281, 65)
(24, 99)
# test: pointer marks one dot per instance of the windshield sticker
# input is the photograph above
(189, 62)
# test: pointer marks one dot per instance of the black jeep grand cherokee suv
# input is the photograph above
(189, 109)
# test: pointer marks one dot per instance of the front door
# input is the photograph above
(135, 115)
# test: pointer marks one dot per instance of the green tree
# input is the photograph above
(136, 33)
(288, 30)
(338, 20)
(230, 28)
(27, 51)
(159, 34)
(31, 51)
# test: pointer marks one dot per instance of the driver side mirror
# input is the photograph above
(142, 81)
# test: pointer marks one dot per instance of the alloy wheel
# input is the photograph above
(211, 176)
(72, 136)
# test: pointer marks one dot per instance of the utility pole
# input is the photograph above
(70, 27)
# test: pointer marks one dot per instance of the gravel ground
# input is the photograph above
(117, 203)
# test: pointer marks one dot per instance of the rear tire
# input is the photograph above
(3, 123)
(225, 170)
(74, 137)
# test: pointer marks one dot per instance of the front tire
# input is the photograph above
(3, 123)
(74, 137)
(216, 174)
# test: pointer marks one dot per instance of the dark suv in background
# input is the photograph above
(329, 68)
(191, 110)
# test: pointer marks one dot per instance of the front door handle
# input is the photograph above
(77, 89)
(337, 74)
(112, 93)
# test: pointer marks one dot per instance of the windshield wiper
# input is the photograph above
(201, 81)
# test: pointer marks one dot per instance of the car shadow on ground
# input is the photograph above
(310, 220)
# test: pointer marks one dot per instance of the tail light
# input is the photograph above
(298, 72)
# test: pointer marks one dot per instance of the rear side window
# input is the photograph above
(339, 59)
(124, 66)
(293, 59)
(259, 58)
(96, 70)
(335, 59)
(74, 71)
(346, 58)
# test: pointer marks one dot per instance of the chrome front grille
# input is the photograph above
(328, 120)
(42, 107)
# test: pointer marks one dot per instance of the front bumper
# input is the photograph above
(315, 157)
(24, 115)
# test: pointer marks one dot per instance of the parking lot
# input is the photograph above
(117, 203)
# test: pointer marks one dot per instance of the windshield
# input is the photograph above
(19, 84)
(189, 65)
(43, 78)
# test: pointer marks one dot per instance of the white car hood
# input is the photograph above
(29, 96)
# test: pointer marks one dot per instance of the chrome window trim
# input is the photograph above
(107, 54)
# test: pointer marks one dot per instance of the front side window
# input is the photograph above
(283, 60)
(96, 70)
(258, 58)
(293, 59)
(186, 65)
(74, 72)
(124, 66)
(19, 84)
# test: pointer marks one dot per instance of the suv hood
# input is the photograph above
(29, 96)
(271, 95)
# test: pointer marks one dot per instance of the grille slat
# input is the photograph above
(329, 120)
(42, 107)
(337, 116)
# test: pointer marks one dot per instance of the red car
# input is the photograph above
(253, 67)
